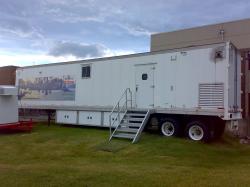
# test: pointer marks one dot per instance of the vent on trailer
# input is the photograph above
(211, 95)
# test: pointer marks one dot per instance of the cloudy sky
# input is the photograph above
(47, 31)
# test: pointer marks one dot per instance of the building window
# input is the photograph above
(86, 71)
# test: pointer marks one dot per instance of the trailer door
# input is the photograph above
(144, 86)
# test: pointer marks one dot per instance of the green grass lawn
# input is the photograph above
(66, 156)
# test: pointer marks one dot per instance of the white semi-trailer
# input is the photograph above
(191, 91)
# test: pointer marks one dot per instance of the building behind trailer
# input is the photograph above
(8, 75)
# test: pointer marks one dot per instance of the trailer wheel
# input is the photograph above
(170, 127)
(198, 131)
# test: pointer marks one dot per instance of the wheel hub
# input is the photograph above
(168, 128)
(196, 132)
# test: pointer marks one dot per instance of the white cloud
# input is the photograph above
(28, 25)
(84, 51)
(31, 59)
(65, 48)
(135, 30)
(40, 58)
(109, 52)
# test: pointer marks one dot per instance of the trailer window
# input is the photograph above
(86, 71)
(144, 76)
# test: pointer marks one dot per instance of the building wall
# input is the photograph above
(246, 89)
(238, 32)
(7, 75)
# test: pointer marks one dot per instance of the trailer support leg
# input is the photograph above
(49, 117)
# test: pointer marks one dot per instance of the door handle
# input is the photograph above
(136, 88)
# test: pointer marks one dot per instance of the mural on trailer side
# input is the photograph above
(48, 88)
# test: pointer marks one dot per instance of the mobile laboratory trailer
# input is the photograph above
(192, 90)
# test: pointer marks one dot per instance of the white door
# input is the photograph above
(144, 75)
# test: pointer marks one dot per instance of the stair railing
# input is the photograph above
(119, 110)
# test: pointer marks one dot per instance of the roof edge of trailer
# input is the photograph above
(124, 56)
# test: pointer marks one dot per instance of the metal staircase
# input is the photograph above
(126, 122)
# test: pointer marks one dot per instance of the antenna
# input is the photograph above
(222, 34)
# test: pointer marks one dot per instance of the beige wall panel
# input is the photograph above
(186, 44)
(202, 33)
(240, 41)
(237, 27)
(238, 32)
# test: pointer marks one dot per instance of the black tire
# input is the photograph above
(198, 131)
(170, 127)
(152, 125)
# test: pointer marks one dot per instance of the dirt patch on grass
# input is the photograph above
(113, 146)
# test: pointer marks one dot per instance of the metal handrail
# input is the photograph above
(127, 94)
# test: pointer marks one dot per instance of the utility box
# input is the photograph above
(8, 105)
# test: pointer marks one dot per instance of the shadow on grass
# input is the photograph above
(82, 127)
(113, 146)
(13, 132)
(226, 140)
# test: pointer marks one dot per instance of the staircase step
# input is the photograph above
(138, 111)
(131, 124)
(135, 114)
(124, 135)
(125, 129)
(134, 119)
